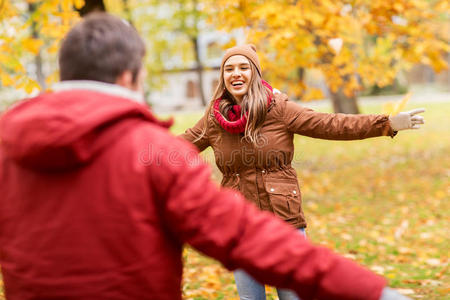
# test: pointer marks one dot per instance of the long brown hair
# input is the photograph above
(254, 104)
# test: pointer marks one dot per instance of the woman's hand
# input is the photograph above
(407, 120)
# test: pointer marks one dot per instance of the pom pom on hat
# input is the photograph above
(248, 50)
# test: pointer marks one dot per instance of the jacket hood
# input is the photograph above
(63, 130)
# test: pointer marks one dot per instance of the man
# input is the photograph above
(98, 198)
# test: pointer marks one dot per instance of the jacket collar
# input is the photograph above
(97, 86)
(237, 121)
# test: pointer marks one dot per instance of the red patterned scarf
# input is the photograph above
(236, 123)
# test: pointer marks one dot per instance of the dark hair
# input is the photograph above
(101, 47)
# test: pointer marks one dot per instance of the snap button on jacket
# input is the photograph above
(266, 176)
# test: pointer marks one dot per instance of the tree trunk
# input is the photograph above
(301, 74)
(199, 70)
(344, 104)
(38, 59)
(39, 73)
(91, 6)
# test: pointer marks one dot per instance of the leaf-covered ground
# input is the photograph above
(382, 202)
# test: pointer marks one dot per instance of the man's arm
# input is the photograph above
(221, 224)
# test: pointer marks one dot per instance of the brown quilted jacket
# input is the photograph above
(263, 173)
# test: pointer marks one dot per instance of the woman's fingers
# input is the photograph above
(416, 111)
(417, 120)
(407, 120)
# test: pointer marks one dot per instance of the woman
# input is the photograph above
(251, 129)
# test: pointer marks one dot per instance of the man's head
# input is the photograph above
(103, 48)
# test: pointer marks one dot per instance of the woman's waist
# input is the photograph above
(245, 171)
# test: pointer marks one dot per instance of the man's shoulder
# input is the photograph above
(161, 139)
(160, 152)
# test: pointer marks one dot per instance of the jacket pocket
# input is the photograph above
(284, 198)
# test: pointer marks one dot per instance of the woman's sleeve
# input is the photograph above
(308, 122)
(192, 134)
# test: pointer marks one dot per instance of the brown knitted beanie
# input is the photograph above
(248, 50)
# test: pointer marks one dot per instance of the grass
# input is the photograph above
(382, 202)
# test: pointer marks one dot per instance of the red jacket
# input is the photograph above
(97, 199)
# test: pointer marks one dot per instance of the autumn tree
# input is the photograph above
(91, 6)
(30, 32)
(187, 17)
(171, 30)
(355, 43)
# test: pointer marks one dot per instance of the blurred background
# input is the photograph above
(340, 50)
(382, 202)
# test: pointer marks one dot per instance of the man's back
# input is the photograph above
(78, 216)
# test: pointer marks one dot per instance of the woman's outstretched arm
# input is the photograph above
(308, 122)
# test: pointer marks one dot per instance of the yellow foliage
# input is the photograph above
(230, 44)
(316, 18)
(53, 48)
(313, 94)
(7, 10)
(380, 38)
(32, 45)
(398, 7)
(11, 63)
(25, 34)
(6, 79)
(390, 108)
(114, 6)
(78, 3)
(27, 84)
(52, 78)
(31, 85)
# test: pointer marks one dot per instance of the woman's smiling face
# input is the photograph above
(237, 74)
